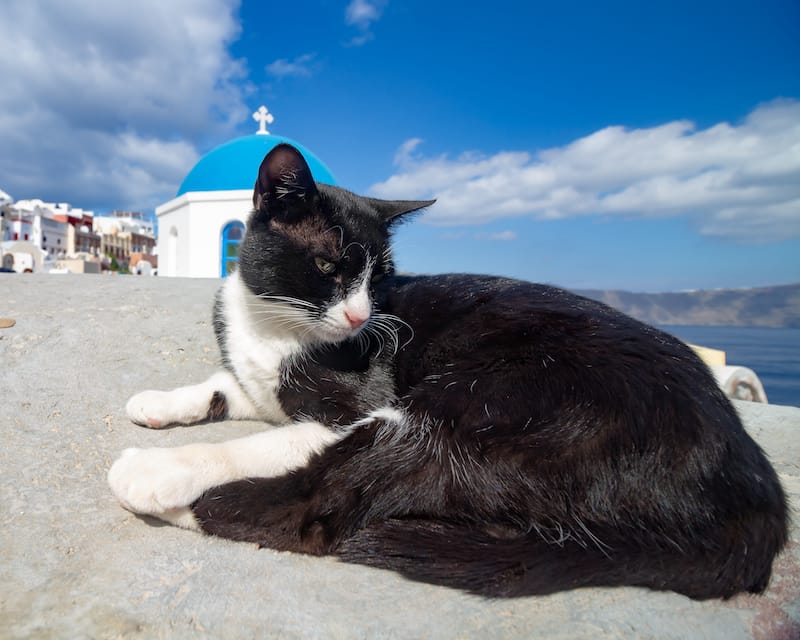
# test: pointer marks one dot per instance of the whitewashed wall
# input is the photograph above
(198, 219)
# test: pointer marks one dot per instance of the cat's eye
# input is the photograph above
(377, 276)
(324, 265)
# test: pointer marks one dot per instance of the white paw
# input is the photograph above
(160, 481)
(153, 409)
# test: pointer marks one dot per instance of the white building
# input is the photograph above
(132, 221)
(199, 230)
(34, 221)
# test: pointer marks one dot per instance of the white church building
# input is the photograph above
(200, 229)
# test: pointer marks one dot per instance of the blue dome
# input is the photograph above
(234, 165)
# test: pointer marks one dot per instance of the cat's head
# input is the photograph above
(315, 253)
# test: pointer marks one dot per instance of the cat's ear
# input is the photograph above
(283, 178)
(390, 211)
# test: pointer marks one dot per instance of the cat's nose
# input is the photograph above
(355, 319)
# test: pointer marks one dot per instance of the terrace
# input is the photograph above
(75, 565)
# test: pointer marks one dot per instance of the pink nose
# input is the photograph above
(354, 319)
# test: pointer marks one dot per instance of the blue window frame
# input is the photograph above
(232, 234)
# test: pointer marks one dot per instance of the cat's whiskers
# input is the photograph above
(356, 244)
(378, 336)
(286, 299)
(275, 307)
(292, 326)
(294, 315)
(362, 340)
(340, 229)
(391, 336)
(372, 329)
(388, 323)
(279, 313)
(280, 316)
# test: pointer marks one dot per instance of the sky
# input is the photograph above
(646, 146)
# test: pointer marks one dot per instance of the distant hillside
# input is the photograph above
(761, 307)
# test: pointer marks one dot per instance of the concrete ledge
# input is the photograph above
(75, 565)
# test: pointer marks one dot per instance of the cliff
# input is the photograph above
(758, 307)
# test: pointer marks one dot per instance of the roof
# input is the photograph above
(234, 165)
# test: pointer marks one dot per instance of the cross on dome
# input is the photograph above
(263, 117)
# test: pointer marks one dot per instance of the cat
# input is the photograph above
(492, 435)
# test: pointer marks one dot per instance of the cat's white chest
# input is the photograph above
(255, 348)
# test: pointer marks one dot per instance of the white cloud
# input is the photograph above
(498, 236)
(299, 66)
(96, 98)
(362, 14)
(501, 236)
(740, 181)
(405, 154)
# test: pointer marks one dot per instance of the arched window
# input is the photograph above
(232, 234)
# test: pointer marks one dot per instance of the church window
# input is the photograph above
(232, 234)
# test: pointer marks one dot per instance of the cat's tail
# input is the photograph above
(451, 555)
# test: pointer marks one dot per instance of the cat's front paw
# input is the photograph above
(152, 409)
(159, 481)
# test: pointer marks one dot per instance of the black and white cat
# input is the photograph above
(498, 436)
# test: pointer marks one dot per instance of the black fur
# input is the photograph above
(218, 407)
(548, 441)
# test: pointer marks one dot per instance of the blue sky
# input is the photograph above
(641, 146)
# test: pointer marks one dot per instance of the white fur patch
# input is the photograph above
(164, 482)
(260, 333)
(257, 344)
(188, 405)
(357, 303)
(389, 414)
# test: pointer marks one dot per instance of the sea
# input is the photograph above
(774, 354)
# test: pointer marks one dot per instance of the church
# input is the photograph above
(200, 229)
